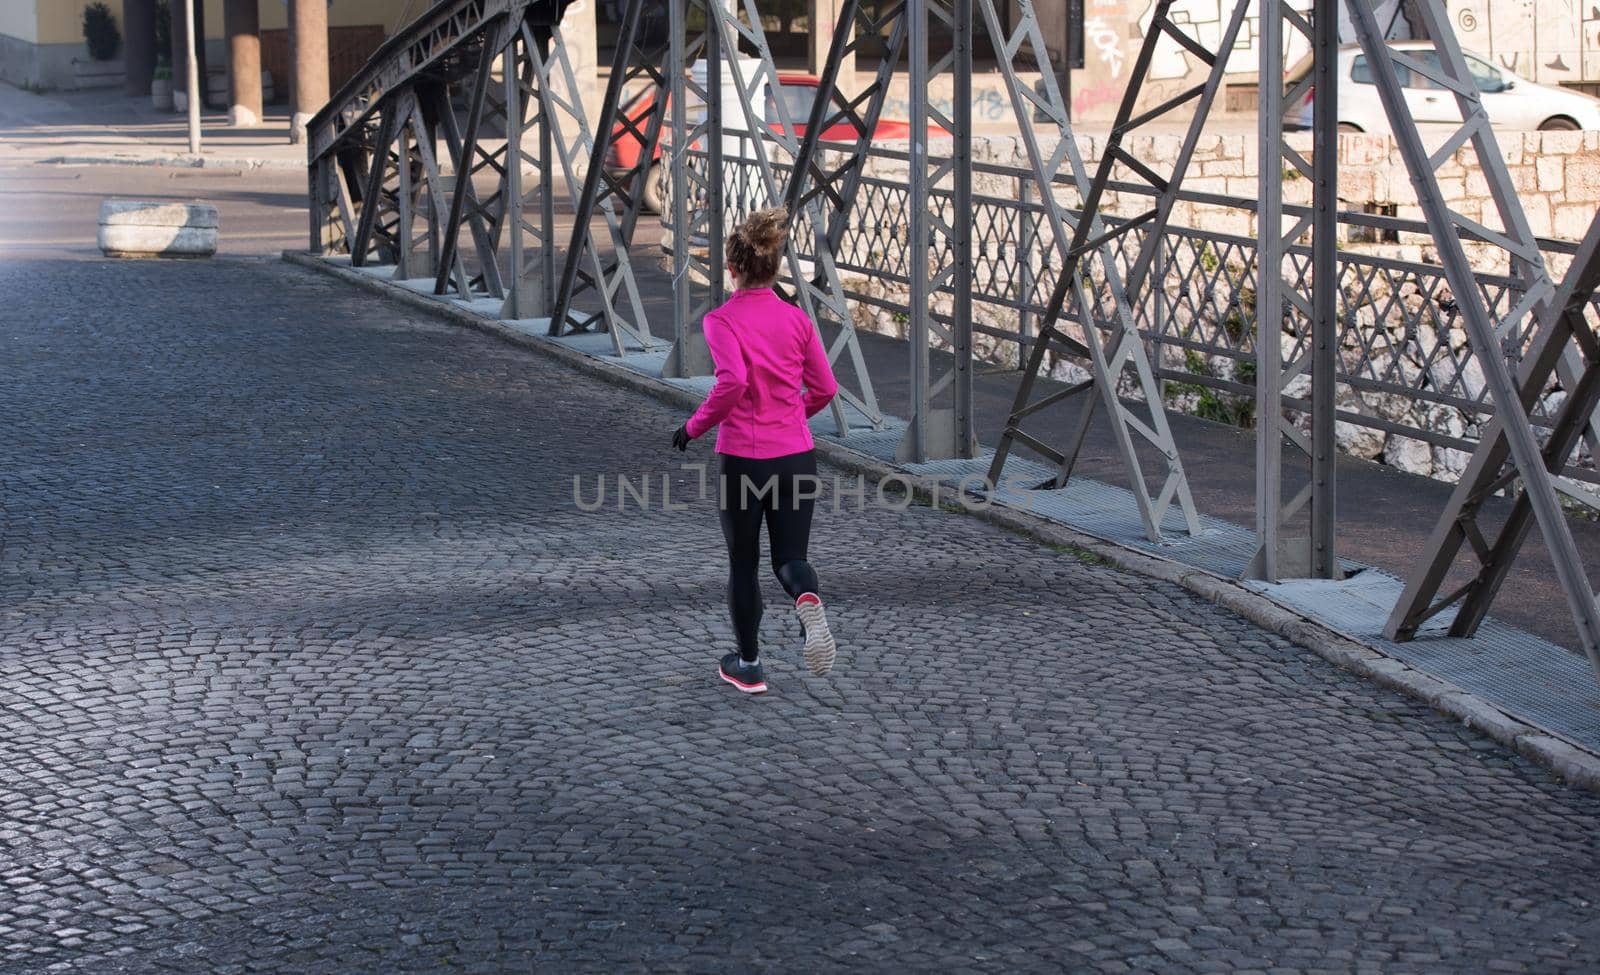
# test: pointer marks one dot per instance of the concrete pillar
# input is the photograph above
(824, 22)
(308, 50)
(242, 19)
(139, 44)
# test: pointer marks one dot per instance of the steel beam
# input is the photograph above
(1324, 290)
(587, 268)
(1311, 319)
(812, 182)
(635, 61)
(530, 207)
(1537, 310)
(940, 431)
(694, 217)
(1110, 339)
(400, 62)
(469, 160)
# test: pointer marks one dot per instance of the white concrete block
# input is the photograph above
(134, 240)
(141, 228)
(151, 214)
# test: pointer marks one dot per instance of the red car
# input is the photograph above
(798, 91)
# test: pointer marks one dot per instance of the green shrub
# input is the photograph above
(100, 31)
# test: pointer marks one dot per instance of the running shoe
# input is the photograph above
(751, 680)
(820, 650)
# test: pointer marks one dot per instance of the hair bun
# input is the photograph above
(767, 229)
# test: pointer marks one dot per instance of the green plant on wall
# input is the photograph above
(1240, 318)
(1211, 404)
(100, 32)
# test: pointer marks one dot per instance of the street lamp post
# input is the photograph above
(192, 80)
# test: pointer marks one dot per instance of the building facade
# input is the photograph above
(1548, 41)
(42, 43)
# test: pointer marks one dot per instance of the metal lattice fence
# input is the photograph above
(1405, 367)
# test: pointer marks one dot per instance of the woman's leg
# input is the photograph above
(741, 529)
(789, 523)
(789, 535)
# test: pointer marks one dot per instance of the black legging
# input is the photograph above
(752, 491)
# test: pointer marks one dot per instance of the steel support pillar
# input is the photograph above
(1283, 308)
(608, 272)
(471, 156)
(936, 430)
(694, 217)
(1103, 308)
(1537, 321)
(530, 218)
(331, 209)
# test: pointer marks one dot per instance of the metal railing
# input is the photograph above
(1404, 367)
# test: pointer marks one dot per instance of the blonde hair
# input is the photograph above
(755, 248)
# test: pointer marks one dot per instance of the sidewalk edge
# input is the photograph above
(179, 161)
(1570, 761)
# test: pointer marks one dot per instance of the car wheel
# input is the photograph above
(655, 189)
(1558, 124)
(1349, 128)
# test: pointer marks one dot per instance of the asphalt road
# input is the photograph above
(53, 211)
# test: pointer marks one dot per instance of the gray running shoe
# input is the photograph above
(820, 649)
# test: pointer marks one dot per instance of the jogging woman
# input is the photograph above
(772, 376)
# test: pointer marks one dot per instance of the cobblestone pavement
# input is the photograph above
(310, 663)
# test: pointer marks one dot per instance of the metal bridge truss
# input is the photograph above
(698, 215)
(1101, 299)
(1538, 333)
(695, 217)
(618, 198)
(1544, 331)
(1309, 315)
(377, 190)
(375, 176)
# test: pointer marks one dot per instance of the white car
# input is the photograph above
(1512, 102)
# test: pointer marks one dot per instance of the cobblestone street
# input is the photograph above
(309, 662)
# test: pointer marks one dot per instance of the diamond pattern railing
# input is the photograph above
(1397, 320)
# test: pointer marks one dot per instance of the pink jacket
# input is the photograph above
(765, 350)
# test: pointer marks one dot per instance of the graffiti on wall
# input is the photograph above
(1102, 41)
(1105, 38)
(1548, 41)
(1205, 20)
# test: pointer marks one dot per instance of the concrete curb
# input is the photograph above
(1575, 764)
(183, 161)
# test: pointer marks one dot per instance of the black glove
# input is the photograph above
(680, 438)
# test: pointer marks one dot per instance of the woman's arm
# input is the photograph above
(816, 373)
(731, 377)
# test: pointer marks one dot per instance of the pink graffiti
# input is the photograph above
(1085, 99)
